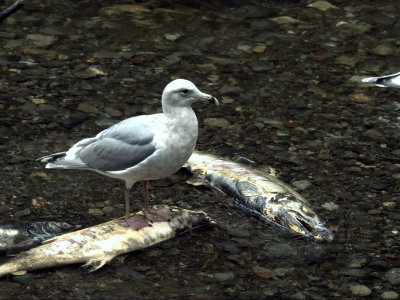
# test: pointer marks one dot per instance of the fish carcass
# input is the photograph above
(97, 245)
(258, 194)
(25, 235)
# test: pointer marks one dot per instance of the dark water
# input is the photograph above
(288, 76)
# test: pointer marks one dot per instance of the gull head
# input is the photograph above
(183, 93)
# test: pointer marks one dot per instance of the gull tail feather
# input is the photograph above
(58, 161)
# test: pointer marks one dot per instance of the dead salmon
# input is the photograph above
(261, 195)
(97, 245)
(25, 235)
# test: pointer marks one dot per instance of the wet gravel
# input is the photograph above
(288, 76)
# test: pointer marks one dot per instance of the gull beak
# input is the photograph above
(215, 100)
(209, 98)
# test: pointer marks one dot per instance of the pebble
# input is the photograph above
(384, 50)
(302, 185)
(373, 134)
(393, 276)
(299, 296)
(74, 119)
(331, 206)
(322, 5)
(379, 265)
(360, 290)
(390, 295)
(87, 108)
(224, 276)
(41, 40)
(96, 211)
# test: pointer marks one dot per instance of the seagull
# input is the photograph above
(141, 148)
(392, 80)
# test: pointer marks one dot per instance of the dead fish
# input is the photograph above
(25, 235)
(97, 245)
(261, 195)
(392, 80)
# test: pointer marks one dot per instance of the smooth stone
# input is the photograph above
(41, 40)
(393, 276)
(360, 290)
(302, 185)
(224, 276)
(390, 295)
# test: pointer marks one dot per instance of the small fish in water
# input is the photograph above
(26, 235)
(97, 245)
(392, 80)
(261, 195)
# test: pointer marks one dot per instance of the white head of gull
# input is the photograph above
(141, 148)
(392, 80)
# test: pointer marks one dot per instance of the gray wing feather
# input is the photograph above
(119, 147)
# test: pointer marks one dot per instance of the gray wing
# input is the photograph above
(119, 147)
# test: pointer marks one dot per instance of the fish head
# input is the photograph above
(301, 219)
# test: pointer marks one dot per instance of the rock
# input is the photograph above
(218, 122)
(284, 20)
(379, 265)
(227, 247)
(126, 273)
(229, 90)
(41, 40)
(393, 276)
(384, 50)
(172, 36)
(262, 272)
(347, 60)
(94, 71)
(261, 66)
(95, 211)
(360, 97)
(389, 295)
(357, 262)
(322, 5)
(389, 204)
(259, 49)
(74, 119)
(302, 185)
(373, 134)
(298, 296)
(360, 290)
(122, 8)
(331, 206)
(87, 108)
(11, 44)
(224, 276)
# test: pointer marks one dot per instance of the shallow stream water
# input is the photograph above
(288, 75)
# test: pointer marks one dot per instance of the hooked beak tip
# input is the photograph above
(215, 100)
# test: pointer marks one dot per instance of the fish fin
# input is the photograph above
(95, 264)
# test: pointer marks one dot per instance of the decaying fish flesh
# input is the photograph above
(25, 235)
(261, 195)
(97, 245)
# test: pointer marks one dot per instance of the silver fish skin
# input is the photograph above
(261, 195)
(97, 245)
(25, 235)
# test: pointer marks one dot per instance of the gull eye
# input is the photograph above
(185, 92)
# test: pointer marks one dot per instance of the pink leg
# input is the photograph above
(154, 215)
(135, 223)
